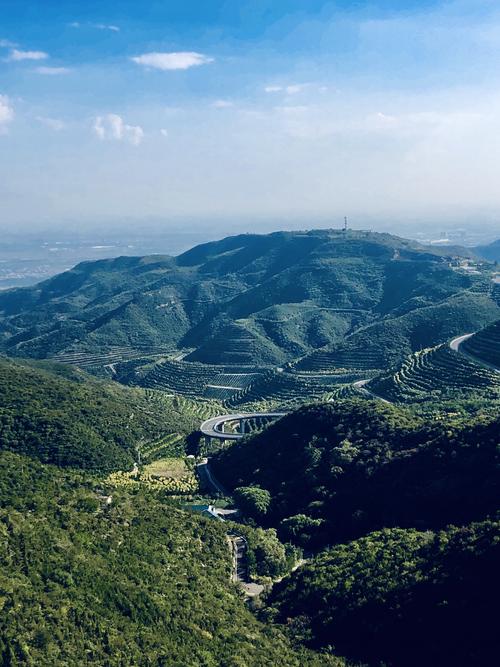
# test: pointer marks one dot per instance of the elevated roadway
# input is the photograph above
(214, 428)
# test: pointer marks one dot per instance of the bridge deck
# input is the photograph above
(213, 428)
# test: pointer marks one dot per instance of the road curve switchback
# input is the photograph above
(456, 344)
(214, 428)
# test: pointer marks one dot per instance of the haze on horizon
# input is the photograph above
(242, 109)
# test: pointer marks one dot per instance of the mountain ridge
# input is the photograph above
(257, 300)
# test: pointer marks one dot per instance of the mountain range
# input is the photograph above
(254, 300)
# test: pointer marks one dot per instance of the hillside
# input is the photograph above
(134, 581)
(64, 416)
(490, 252)
(401, 598)
(485, 344)
(384, 343)
(439, 372)
(324, 300)
(337, 471)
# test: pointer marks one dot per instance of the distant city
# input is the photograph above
(28, 259)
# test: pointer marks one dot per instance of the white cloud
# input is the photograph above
(294, 89)
(102, 26)
(113, 127)
(97, 26)
(164, 132)
(52, 123)
(172, 61)
(17, 55)
(291, 89)
(7, 44)
(6, 113)
(52, 71)
(222, 104)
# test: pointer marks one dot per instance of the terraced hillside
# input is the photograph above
(286, 388)
(386, 342)
(366, 360)
(236, 344)
(197, 380)
(435, 371)
(357, 301)
(485, 344)
(104, 362)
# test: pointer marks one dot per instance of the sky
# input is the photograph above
(248, 110)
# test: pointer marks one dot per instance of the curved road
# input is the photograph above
(456, 342)
(455, 345)
(214, 428)
(360, 386)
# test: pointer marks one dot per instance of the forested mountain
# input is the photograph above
(121, 580)
(335, 472)
(411, 589)
(63, 416)
(401, 598)
(251, 299)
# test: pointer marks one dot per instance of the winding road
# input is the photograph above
(360, 386)
(455, 345)
(237, 543)
(214, 428)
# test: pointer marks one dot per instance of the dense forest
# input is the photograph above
(63, 416)
(126, 579)
(401, 598)
(332, 472)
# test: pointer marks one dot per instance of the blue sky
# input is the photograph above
(261, 109)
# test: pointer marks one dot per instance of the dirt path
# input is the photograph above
(239, 574)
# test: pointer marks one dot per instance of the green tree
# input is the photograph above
(300, 529)
(252, 500)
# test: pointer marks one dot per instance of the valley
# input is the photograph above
(332, 396)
